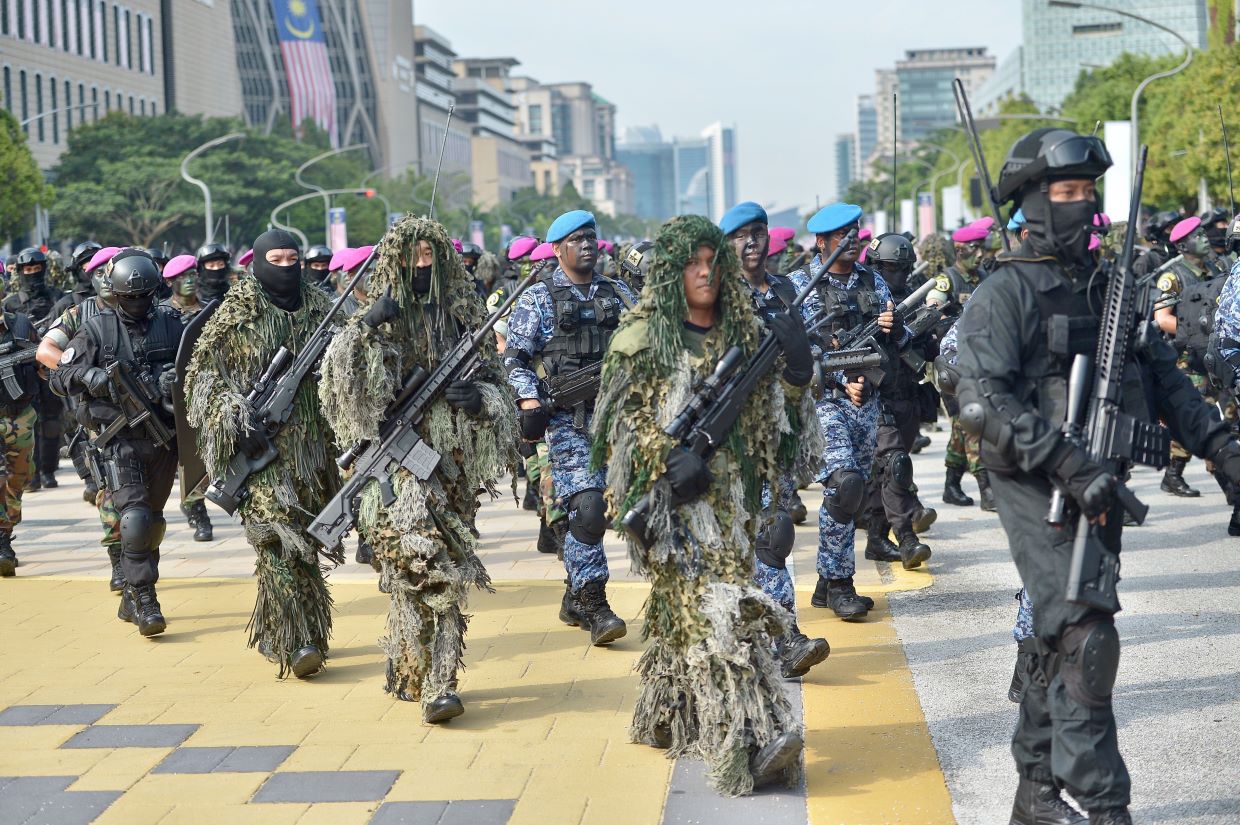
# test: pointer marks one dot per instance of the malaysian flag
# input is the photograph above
(311, 92)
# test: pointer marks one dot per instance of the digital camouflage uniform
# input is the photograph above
(293, 607)
(423, 540)
(17, 423)
(709, 681)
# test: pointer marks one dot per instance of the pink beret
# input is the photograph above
(178, 266)
(782, 233)
(1184, 228)
(456, 244)
(520, 247)
(864, 235)
(542, 252)
(245, 258)
(969, 233)
(607, 246)
(777, 245)
(356, 257)
(338, 258)
(983, 223)
(102, 257)
(1102, 219)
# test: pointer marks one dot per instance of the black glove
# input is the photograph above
(167, 382)
(463, 395)
(1227, 461)
(533, 423)
(798, 360)
(688, 475)
(252, 440)
(1089, 484)
(95, 381)
(383, 310)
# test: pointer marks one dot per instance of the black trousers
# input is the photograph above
(887, 502)
(1058, 739)
(140, 476)
(50, 429)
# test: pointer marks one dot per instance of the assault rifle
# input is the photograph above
(14, 354)
(270, 402)
(140, 408)
(1111, 437)
(575, 391)
(399, 444)
(708, 417)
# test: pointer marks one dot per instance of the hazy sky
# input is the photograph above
(785, 73)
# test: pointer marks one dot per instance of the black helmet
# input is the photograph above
(471, 250)
(132, 273)
(27, 257)
(636, 263)
(1157, 227)
(31, 255)
(318, 253)
(212, 252)
(1047, 154)
(1215, 215)
(891, 250)
(1233, 235)
(83, 252)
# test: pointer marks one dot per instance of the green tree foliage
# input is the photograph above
(23, 184)
(1106, 93)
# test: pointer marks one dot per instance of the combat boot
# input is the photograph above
(768, 764)
(568, 608)
(306, 661)
(1112, 816)
(912, 551)
(117, 584)
(442, 709)
(920, 443)
(952, 492)
(841, 596)
(596, 614)
(49, 481)
(1233, 526)
(530, 500)
(923, 518)
(877, 546)
(90, 491)
(34, 484)
(985, 492)
(1173, 480)
(196, 515)
(140, 606)
(1040, 804)
(364, 554)
(798, 653)
(547, 541)
(8, 559)
(797, 509)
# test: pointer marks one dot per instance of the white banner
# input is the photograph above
(1117, 182)
(908, 216)
(953, 206)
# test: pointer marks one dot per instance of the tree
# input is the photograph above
(23, 183)
(131, 203)
(1106, 93)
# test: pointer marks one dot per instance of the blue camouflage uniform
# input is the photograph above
(1227, 320)
(530, 327)
(1023, 629)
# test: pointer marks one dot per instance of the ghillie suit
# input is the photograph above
(709, 681)
(293, 608)
(794, 258)
(57, 275)
(423, 541)
(937, 253)
(487, 270)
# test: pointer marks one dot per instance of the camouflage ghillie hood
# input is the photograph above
(938, 254)
(487, 269)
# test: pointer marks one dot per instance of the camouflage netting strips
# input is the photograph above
(708, 675)
(423, 541)
(293, 607)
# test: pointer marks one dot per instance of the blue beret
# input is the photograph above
(741, 214)
(1017, 221)
(568, 223)
(833, 217)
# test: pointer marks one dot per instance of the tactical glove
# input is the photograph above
(383, 310)
(1227, 461)
(533, 423)
(1089, 484)
(798, 360)
(688, 475)
(252, 440)
(167, 382)
(95, 381)
(464, 395)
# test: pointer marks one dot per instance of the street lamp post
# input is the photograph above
(1136, 95)
(206, 190)
(327, 204)
(325, 193)
(40, 214)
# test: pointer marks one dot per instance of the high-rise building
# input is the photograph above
(721, 149)
(436, 96)
(652, 163)
(886, 85)
(1007, 82)
(500, 163)
(845, 160)
(1057, 44)
(924, 81)
(867, 134)
(693, 175)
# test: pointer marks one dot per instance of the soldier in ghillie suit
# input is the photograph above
(709, 680)
(423, 541)
(271, 308)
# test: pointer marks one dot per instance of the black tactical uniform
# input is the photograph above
(18, 387)
(315, 268)
(1018, 339)
(139, 473)
(36, 299)
(212, 281)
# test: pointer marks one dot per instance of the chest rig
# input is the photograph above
(778, 298)
(144, 352)
(582, 327)
(850, 307)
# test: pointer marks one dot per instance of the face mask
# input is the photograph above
(896, 277)
(1071, 222)
(422, 279)
(185, 285)
(212, 283)
(135, 306)
(282, 284)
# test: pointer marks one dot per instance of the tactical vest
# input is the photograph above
(1194, 320)
(582, 327)
(17, 327)
(853, 306)
(778, 298)
(157, 348)
(37, 305)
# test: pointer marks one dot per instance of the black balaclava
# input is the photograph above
(1061, 230)
(422, 279)
(212, 283)
(281, 284)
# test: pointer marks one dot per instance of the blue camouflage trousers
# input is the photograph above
(774, 581)
(1023, 629)
(569, 454)
(851, 434)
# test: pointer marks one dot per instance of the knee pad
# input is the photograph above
(845, 489)
(587, 516)
(900, 467)
(137, 530)
(775, 539)
(158, 530)
(1090, 662)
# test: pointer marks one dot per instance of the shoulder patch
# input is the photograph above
(631, 340)
(66, 357)
(1168, 282)
(943, 283)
